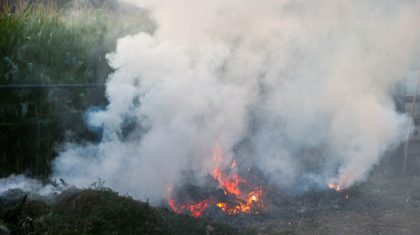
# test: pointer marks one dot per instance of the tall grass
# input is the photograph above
(37, 46)
(56, 41)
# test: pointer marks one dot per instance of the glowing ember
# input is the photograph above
(233, 187)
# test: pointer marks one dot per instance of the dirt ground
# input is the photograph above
(387, 203)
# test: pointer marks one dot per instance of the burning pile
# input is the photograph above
(233, 194)
(239, 197)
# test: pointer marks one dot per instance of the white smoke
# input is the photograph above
(301, 89)
(25, 184)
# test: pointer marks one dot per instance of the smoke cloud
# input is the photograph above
(25, 184)
(300, 89)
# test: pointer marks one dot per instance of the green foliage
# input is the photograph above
(54, 42)
(39, 45)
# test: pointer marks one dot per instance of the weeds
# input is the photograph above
(53, 42)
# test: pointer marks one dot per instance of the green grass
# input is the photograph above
(38, 46)
(54, 42)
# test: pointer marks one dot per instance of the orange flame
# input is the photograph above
(341, 183)
(230, 182)
(196, 209)
(244, 205)
(335, 187)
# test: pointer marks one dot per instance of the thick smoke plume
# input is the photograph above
(300, 89)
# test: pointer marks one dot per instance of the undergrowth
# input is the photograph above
(102, 212)
(54, 42)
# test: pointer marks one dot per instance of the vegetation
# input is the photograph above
(53, 42)
(101, 211)
(66, 42)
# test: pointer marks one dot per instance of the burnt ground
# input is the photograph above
(380, 206)
(387, 203)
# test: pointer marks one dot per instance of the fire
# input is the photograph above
(335, 187)
(239, 199)
(230, 182)
(196, 209)
(339, 189)
(340, 184)
(244, 205)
